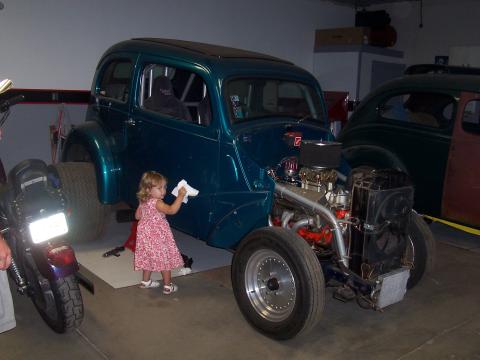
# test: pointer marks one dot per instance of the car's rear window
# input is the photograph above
(420, 108)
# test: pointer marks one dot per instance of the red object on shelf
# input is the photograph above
(337, 105)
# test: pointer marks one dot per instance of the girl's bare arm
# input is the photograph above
(138, 214)
(174, 207)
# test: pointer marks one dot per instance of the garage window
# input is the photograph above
(471, 117)
(420, 108)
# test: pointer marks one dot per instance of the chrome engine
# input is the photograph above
(313, 179)
(361, 226)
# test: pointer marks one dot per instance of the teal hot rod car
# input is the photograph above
(250, 132)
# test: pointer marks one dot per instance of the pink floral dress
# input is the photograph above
(156, 249)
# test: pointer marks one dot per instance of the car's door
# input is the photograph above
(112, 97)
(172, 132)
(415, 127)
(461, 192)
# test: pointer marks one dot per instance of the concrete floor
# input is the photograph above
(439, 319)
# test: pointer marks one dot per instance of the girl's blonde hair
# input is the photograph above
(147, 182)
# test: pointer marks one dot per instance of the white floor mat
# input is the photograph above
(118, 271)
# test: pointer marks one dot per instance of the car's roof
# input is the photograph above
(424, 82)
(222, 62)
(448, 83)
(434, 81)
(193, 50)
(440, 69)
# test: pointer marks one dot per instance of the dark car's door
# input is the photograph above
(414, 129)
(172, 132)
(461, 192)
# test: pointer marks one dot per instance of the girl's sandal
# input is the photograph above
(168, 289)
(149, 284)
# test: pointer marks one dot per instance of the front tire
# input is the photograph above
(278, 283)
(88, 216)
(421, 249)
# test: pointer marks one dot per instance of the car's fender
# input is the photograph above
(374, 156)
(240, 221)
(92, 138)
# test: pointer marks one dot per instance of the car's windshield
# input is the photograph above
(255, 98)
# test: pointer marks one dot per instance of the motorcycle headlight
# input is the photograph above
(48, 228)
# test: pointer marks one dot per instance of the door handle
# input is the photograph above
(130, 122)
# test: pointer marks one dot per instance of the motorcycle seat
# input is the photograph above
(27, 175)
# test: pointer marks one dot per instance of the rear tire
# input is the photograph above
(88, 216)
(59, 302)
(278, 283)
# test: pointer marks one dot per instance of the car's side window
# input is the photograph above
(175, 92)
(420, 108)
(471, 117)
(116, 80)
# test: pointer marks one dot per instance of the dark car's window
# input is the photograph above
(116, 79)
(175, 92)
(420, 108)
(254, 98)
(471, 117)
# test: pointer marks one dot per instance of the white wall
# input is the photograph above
(57, 43)
(26, 133)
(446, 23)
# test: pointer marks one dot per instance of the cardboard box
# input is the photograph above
(342, 36)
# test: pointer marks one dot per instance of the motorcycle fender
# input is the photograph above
(46, 267)
(91, 136)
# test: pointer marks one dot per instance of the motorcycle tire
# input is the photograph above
(59, 302)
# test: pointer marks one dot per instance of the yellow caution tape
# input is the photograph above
(454, 225)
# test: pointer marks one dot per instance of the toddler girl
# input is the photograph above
(155, 247)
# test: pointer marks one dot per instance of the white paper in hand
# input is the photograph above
(190, 190)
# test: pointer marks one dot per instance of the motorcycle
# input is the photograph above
(33, 221)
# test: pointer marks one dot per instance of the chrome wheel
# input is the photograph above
(278, 282)
(270, 285)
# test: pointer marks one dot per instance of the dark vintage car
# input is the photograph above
(250, 132)
(428, 126)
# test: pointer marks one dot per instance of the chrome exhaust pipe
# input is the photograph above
(321, 210)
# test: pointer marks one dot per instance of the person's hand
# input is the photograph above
(182, 192)
(5, 254)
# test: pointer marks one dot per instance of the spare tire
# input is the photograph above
(87, 216)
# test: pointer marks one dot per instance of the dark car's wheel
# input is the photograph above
(278, 282)
(88, 216)
(421, 249)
